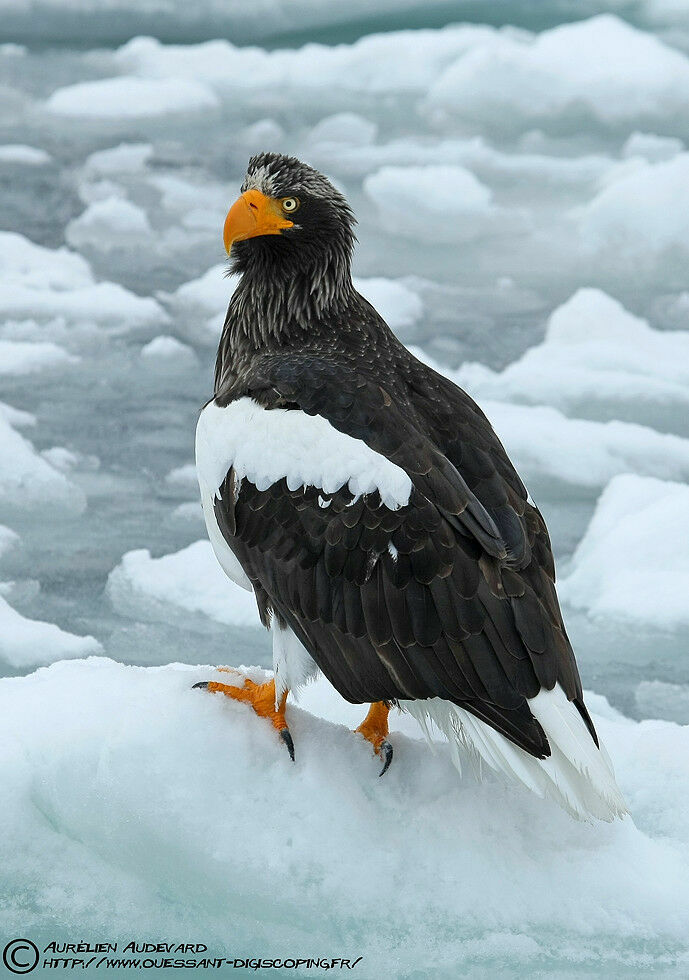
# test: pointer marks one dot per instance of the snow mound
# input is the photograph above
(633, 563)
(27, 480)
(398, 305)
(126, 794)
(601, 68)
(595, 354)
(26, 643)
(187, 586)
(128, 97)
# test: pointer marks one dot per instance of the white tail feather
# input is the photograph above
(577, 774)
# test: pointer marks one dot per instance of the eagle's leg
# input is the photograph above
(375, 730)
(262, 699)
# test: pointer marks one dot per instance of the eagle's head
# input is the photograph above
(289, 218)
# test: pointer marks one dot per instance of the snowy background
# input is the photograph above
(521, 180)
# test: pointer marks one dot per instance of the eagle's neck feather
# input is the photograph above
(282, 306)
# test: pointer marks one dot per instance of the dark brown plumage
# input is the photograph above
(450, 596)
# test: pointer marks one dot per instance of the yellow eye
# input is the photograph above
(289, 204)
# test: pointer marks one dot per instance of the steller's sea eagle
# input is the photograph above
(369, 505)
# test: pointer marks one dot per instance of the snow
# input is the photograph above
(187, 586)
(110, 223)
(594, 352)
(183, 476)
(396, 61)
(167, 349)
(435, 203)
(642, 215)
(632, 563)
(210, 293)
(128, 97)
(653, 148)
(8, 539)
(306, 450)
(17, 357)
(26, 643)
(549, 448)
(27, 480)
(125, 158)
(43, 283)
(399, 305)
(24, 263)
(346, 129)
(30, 156)
(601, 68)
(560, 302)
(182, 780)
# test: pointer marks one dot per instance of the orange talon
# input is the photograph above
(261, 697)
(375, 730)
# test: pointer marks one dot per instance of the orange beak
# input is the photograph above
(251, 215)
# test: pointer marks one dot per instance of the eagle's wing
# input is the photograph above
(396, 596)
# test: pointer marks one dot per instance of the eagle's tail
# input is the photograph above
(577, 775)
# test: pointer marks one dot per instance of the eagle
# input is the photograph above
(369, 505)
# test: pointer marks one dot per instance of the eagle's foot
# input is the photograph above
(262, 699)
(375, 730)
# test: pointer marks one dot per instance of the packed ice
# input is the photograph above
(520, 177)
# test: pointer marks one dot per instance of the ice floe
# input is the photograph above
(110, 223)
(188, 586)
(124, 158)
(27, 480)
(633, 562)
(168, 350)
(129, 97)
(19, 357)
(30, 156)
(595, 356)
(641, 216)
(601, 68)
(398, 304)
(434, 203)
(126, 814)
(27, 643)
(41, 284)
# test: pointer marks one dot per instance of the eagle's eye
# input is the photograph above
(289, 204)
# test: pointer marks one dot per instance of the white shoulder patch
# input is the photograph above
(306, 450)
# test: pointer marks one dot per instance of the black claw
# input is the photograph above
(201, 684)
(386, 752)
(287, 739)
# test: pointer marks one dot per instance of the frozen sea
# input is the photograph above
(520, 173)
